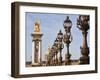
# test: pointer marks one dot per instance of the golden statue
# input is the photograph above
(36, 27)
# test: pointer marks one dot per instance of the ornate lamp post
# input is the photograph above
(51, 56)
(83, 25)
(60, 45)
(56, 51)
(67, 39)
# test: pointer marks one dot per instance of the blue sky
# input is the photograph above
(50, 24)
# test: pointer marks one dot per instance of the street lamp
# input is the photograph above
(67, 24)
(49, 57)
(56, 51)
(67, 39)
(83, 25)
(52, 55)
(60, 45)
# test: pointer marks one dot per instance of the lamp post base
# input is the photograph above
(60, 60)
(84, 60)
(67, 59)
(85, 56)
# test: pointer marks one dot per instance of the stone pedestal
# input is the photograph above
(84, 59)
(36, 48)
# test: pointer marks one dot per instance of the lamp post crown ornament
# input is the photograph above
(83, 22)
(60, 35)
